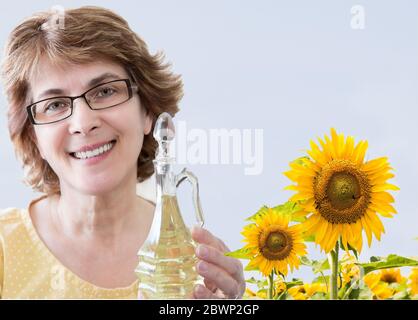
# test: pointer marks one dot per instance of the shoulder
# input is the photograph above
(10, 215)
(10, 219)
(13, 217)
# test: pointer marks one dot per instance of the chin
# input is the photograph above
(96, 191)
(97, 187)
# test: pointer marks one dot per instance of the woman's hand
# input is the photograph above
(223, 276)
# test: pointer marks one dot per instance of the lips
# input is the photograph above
(94, 150)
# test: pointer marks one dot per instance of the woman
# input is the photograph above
(83, 98)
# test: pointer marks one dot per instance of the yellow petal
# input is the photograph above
(374, 164)
(376, 225)
(384, 187)
(360, 152)
(383, 196)
(367, 229)
(322, 231)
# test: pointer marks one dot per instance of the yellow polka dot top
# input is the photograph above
(28, 270)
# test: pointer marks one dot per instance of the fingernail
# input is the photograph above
(203, 266)
(196, 228)
(199, 289)
(202, 251)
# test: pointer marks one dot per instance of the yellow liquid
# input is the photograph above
(167, 261)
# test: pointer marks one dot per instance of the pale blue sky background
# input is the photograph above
(292, 68)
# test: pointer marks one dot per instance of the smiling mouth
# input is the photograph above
(84, 155)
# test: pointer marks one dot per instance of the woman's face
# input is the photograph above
(122, 126)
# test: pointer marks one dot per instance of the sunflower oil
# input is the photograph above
(166, 268)
(167, 261)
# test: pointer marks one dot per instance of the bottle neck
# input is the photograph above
(165, 178)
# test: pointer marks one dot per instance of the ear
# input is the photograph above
(148, 123)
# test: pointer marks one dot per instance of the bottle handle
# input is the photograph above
(189, 176)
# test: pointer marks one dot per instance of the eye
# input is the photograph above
(55, 106)
(105, 92)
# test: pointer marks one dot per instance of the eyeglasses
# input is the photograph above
(102, 96)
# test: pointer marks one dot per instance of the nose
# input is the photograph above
(83, 120)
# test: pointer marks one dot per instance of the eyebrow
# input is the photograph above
(93, 82)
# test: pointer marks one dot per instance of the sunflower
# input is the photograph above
(251, 295)
(341, 193)
(413, 281)
(380, 290)
(279, 286)
(273, 244)
(306, 291)
(392, 276)
(349, 269)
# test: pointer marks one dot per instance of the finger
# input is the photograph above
(201, 292)
(210, 285)
(220, 278)
(231, 265)
(202, 235)
(140, 296)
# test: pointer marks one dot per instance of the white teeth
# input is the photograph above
(95, 152)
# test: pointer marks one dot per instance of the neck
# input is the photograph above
(106, 215)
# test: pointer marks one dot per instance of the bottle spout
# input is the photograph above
(164, 134)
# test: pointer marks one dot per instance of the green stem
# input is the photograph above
(333, 261)
(325, 280)
(271, 285)
(347, 293)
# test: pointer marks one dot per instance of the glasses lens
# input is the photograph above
(51, 110)
(108, 94)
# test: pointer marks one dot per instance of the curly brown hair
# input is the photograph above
(89, 33)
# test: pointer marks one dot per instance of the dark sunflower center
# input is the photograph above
(276, 241)
(343, 190)
(275, 244)
(389, 278)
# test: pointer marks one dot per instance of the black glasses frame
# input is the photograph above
(130, 94)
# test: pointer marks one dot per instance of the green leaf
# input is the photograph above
(300, 160)
(252, 280)
(260, 283)
(365, 293)
(318, 296)
(249, 268)
(263, 210)
(282, 296)
(391, 261)
(243, 253)
(398, 287)
(375, 259)
(321, 279)
(290, 208)
(400, 295)
(294, 282)
(354, 294)
(304, 260)
(319, 266)
(310, 238)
